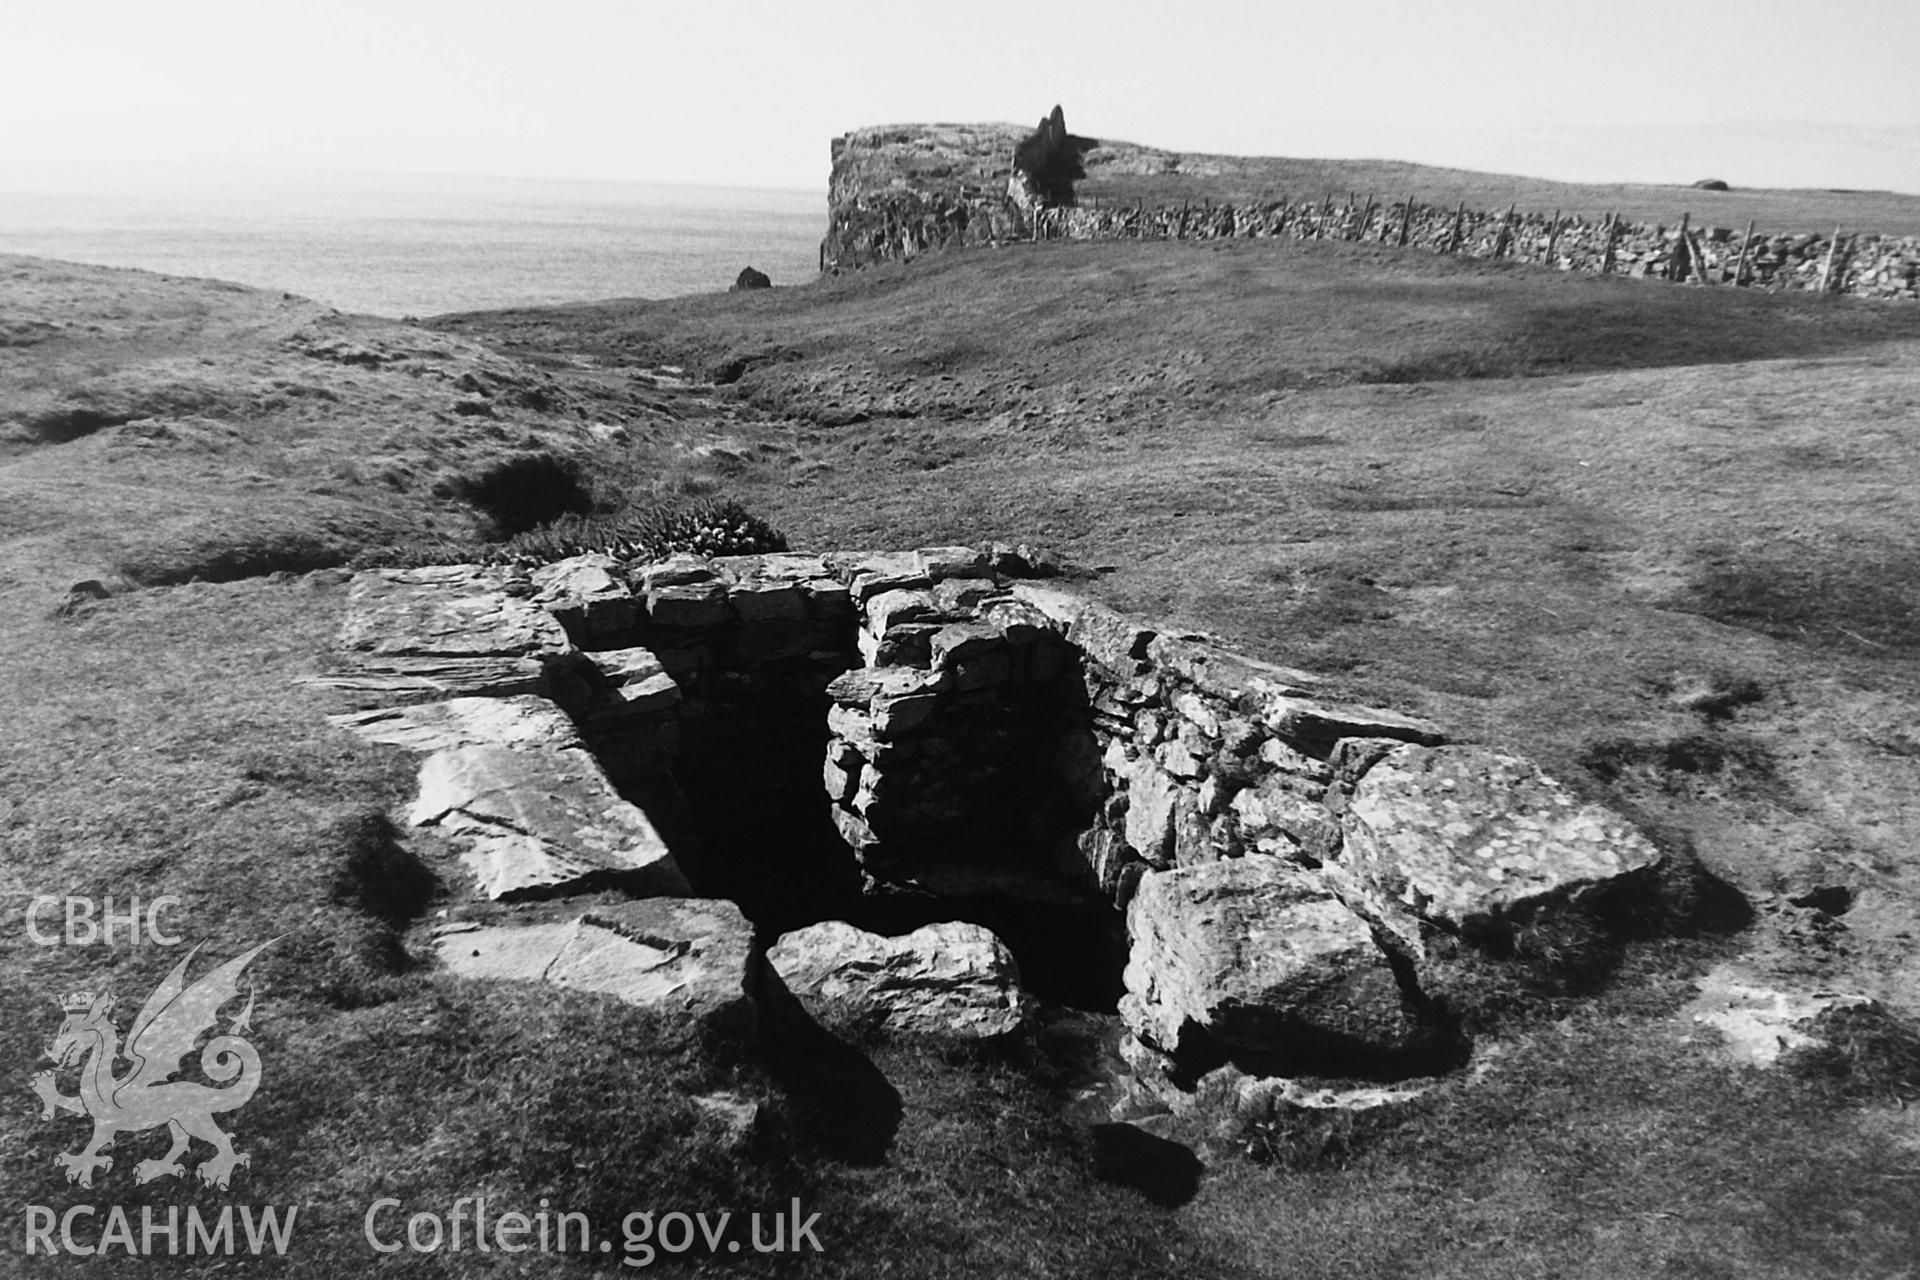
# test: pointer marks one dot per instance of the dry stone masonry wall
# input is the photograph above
(790, 736)
(870, 224)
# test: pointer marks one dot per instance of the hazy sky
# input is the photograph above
(1757, 92)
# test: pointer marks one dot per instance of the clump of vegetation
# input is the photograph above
(715, 527)
(1302, 1138)
(1866, 602)
(1051, 158)
(1727, 756)
(1866, 1053)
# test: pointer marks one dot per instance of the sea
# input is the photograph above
(403, 245)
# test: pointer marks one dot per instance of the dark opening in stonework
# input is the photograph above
(977, 806)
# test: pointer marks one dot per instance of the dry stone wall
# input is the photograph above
(897, 223)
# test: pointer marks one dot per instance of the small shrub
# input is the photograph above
(1051, 159)
(716, 527)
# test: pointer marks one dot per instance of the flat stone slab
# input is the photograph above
(525, 721)
(587, 595)
(1107, 636)
(870, 575)
(768, 600)
(774, 566)
(675, 955)
(951, 562)
(1758, 1022)
(948, 979)
(1469, 839)
(445, 611)
(1316, 725)
(542, 823)
(1213, 669)
(390, 681)
(1258, 956)
(677, 570)
(637, 684)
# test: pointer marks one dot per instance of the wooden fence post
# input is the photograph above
(1366, 218)
(1746, 246)
(1681, 250)
(1553, 237)
(1501, 241)
(1697, 248)
(1453, 240)
(1613, 233)
(1826, 270)
(1406, 222)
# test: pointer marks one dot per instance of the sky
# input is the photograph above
(748, 93)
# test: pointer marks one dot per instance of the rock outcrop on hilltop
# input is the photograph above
(1047, 163)
(931, 727)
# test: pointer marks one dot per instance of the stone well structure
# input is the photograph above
(944, 733)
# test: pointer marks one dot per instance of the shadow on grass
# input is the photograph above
(1812, 596)
(1538, 970)
(526, 491)
(841, 1103)
(1160, 1169)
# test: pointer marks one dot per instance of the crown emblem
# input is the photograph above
(77, 1002)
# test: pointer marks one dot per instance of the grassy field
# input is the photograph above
(1663, 540)
(1392, 181)
(1121, 172)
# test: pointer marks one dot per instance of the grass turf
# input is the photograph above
(1536, 508)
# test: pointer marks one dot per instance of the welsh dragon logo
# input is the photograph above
(145, 1096)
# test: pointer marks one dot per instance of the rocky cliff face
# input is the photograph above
(895, 189)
